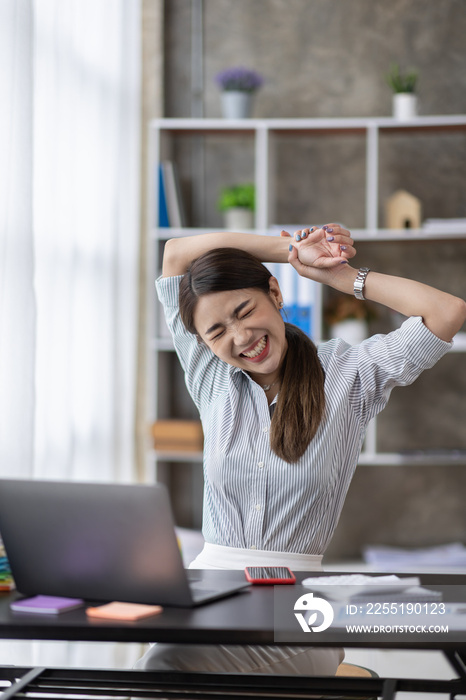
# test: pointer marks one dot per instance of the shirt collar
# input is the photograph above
(237, 370)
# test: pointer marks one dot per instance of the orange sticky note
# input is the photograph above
(123, 611)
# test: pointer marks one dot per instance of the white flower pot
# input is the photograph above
(352, 331)
(236, 104)
(238, 218)
(404, 106)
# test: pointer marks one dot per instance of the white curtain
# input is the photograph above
(17, 305)
(86, 148)
(69, 232)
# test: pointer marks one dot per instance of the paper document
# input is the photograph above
(346, 586)
(395, 558)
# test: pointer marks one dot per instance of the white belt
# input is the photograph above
(217, 556)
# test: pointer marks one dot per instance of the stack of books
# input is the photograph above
(6, 579)
(178, 435)
(299, 295)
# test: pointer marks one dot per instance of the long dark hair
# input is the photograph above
(301, 400)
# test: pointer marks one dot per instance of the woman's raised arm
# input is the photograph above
(312, 256)
(180, 252)
(442, 313)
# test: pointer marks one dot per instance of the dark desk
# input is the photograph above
(246, 618)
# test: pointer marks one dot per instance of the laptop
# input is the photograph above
(101, 542)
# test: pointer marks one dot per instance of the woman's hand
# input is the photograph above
(320, 249)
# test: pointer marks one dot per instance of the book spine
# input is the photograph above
(163, 211)
(172, 192)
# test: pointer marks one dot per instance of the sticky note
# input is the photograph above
(123, 611)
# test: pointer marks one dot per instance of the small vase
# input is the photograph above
(238, 218)
(352, 331)
(236, 104)
(404, 106)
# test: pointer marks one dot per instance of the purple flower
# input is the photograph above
(239, 78)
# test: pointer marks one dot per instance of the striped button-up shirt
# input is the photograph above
(254, 499)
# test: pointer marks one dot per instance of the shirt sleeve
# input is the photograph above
(382, 362)
(205, 374)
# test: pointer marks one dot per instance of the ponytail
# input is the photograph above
(301, 400)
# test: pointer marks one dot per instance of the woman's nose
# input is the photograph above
(241, 335)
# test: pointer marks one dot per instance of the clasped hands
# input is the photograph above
(322, 249)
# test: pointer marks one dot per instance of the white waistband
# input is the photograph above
(217, 556)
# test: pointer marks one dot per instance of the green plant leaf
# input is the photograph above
(242, 195)
(400, 81)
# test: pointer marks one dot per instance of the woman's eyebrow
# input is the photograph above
(235, 313)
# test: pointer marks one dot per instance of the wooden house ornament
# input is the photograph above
(402, 210)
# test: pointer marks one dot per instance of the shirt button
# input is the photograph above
(258, 506)
(265, 429)
(253, 546)
(260, 465)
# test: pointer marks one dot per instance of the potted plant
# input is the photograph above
(237, 202)
(347, 317)
(403, 85)
(238, 85)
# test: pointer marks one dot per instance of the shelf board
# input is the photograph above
(360, 235)
(459, 343)
(176, 456)
(415, 458)
(230, 126)
(163, 234)
(415, 234)
(380, 459)
(162, 344)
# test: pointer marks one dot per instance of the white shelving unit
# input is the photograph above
(262, 133)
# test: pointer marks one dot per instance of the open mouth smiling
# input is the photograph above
(257, 350)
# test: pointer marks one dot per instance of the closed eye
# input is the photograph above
(248, 313)
(235, 313)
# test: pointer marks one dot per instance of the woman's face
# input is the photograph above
(244, 327)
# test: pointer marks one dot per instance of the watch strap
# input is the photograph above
(359, 283)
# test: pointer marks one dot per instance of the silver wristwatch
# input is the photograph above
(359, 283)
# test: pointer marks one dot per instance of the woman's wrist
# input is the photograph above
(341, 278)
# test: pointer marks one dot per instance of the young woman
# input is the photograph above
(283, 421)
